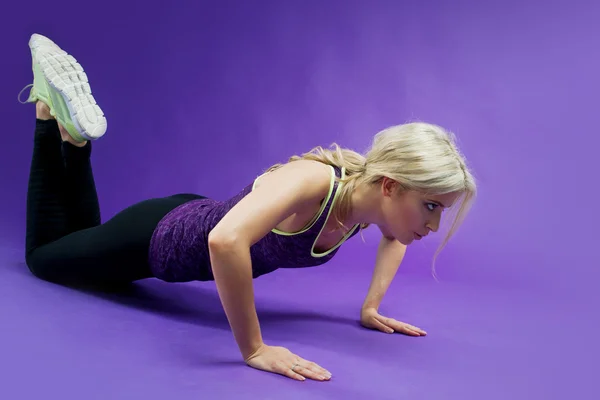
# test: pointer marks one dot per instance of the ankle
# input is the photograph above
(72, 141)
(42, 111)
(66, 137)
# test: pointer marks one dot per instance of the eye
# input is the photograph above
(431, 206)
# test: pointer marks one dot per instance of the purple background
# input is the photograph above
(201, 98)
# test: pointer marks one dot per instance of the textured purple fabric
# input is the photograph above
(179, 245)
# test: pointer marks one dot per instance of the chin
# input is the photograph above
(406, 241)
(409, 238)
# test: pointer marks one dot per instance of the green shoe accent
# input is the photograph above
(39, 87)
(60, 82)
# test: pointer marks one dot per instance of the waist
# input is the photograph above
(179, 244)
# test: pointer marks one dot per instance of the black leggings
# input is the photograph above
(66, 242)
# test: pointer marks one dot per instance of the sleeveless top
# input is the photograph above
(179, 245)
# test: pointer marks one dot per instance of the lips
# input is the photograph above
(417, 236)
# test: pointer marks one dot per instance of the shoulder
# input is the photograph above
(312, 176)
(276, 195)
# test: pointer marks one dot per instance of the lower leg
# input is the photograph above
(81, 198)
(46, 214)
(62, 195)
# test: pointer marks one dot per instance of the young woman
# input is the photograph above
(295, 215)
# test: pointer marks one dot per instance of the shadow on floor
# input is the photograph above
(194, 304)
(188, 303)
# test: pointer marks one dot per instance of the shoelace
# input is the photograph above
(21, 92)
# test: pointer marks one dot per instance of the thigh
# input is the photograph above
(114, 252)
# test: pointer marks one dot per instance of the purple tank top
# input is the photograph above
(179, 246)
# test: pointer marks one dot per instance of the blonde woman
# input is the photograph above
(295, 215)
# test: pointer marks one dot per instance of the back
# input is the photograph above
(179, 247)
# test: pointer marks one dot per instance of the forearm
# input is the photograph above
(390, 254)
(232, 271)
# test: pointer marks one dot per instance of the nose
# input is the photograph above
(431, 228)
(433, 225)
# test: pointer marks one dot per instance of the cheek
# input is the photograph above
(414, 216)
(403, 216)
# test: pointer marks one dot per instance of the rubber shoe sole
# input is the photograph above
(72, 102)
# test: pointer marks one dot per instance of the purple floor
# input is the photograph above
(171, 341)
(202, 96)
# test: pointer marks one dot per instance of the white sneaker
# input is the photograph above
(60, 82)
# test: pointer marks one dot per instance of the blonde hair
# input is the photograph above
(420, 156)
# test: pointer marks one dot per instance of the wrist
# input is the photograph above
(370, 304)
(251, 351)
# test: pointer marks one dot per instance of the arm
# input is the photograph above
(390, 254)
(280, 194)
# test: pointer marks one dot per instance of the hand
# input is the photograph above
(370, 318)
(282, 361)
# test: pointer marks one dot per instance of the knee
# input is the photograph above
(40, 266)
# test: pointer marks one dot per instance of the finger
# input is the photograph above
(382, 326)
(287, 371)
(306, 372)
(313, 368)
(402, 327)
(389, 325)
(409, 331)
(414, 328)
(291, 374)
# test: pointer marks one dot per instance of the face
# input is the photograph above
(409, 215)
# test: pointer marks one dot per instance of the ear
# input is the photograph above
(389, 187)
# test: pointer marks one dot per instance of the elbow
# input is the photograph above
(227, 254)
(219, 240)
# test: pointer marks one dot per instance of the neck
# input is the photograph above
(364, 206)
